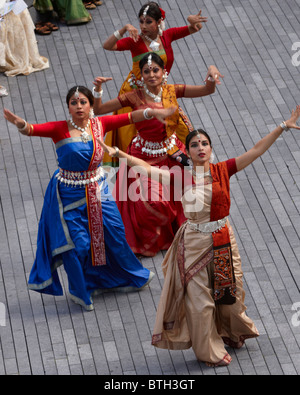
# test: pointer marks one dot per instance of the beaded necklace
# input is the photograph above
(154, 45)
(84, 135)
(157, 98)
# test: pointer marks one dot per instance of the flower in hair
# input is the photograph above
(163, 14)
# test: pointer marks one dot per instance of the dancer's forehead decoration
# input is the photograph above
(145, 11)
(76, 94)
(150, 61)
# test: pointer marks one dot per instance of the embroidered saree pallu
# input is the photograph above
(224, 281)
(93, 197)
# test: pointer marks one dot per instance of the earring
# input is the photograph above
(91, 114)
(161, 27)
(160, 30)
(165, 77)
(212, 158)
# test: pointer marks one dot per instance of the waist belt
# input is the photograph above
(155, 148)
(80, 178)
(208, 227)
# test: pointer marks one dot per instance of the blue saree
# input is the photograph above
(64, 234)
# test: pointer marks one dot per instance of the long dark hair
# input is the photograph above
(155, 58)
(193, 134)
(153, 11)
(82, 89)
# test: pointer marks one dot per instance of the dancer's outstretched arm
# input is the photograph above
(265, 143)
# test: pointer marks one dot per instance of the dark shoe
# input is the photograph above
(42, 30)
(89, 6)
(52, 26)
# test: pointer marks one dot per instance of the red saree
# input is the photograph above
(93, 199)
(150, 213)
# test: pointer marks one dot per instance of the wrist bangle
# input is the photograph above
(284, 127)
(117, 35)
(210, 79)
(24, 127)
(116, 155)
(97, 95)
(146, 116)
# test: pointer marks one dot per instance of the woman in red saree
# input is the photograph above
(202, 301)
(153, 38)
(150, 216)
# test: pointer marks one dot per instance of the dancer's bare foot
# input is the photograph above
(224, 362)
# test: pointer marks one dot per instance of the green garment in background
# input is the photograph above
(72, 11)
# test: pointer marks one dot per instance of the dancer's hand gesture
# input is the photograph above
(291, 123)
(132, 32)
(99, 81)
(197, 20)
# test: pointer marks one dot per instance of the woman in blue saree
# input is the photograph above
(80, 225)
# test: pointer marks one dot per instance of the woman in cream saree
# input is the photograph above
(202, 301)
(19, 53)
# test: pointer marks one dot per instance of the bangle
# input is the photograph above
(97, 95)
(24, 127)
(116, 155)
(30, 130)
(146, 116)
(117, 35)
(284, 127)
(210, 79)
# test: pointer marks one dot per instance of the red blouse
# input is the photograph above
(59, 130)
(139, 47)
(178, 173)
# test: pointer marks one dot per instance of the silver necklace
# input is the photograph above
(200, 174)
(84, 135)
(154, 45)
(157, 98)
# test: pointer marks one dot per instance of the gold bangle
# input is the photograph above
(30, 133)
(130, 117)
